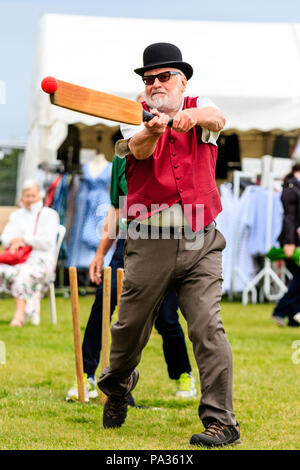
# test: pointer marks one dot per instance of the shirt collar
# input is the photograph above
(34, 208)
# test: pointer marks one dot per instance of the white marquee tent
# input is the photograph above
(250, 70)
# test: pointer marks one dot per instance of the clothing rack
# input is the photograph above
(266, 275)
(237, 177)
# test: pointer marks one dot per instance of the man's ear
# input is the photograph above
(183, 83)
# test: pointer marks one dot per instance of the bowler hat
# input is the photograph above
(163, 54)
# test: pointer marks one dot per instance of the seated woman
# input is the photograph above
(36, 226)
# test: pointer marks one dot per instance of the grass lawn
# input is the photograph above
(40, 368)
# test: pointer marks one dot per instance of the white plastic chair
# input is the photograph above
(61, 231)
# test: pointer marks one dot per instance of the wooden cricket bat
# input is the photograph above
(95, 103)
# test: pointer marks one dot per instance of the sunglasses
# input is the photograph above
(162, 77)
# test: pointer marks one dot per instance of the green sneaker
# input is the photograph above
(90, 389)
(186, 386)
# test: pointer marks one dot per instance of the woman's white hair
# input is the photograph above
(33, 183)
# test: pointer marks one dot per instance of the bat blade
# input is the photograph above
(96, 103)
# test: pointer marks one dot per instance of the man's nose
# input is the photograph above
(156, 82)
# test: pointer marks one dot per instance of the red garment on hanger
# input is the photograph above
(51, 191)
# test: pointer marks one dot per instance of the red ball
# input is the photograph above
(49, 85)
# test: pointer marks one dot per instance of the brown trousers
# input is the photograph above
(151, 267)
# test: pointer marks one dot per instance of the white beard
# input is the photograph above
(166, 103)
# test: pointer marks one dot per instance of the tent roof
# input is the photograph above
(250, 70)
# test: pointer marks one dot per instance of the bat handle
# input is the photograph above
(148, 116)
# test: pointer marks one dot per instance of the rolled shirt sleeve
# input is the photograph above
(208, 137)
(128, 131)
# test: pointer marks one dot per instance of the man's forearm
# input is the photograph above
(143, 144)
(110, 231)
(210, 118)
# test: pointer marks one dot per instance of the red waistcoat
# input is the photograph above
(182, 168)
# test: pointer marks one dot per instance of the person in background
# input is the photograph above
(167, 323)
(36, 226)
(288, 307)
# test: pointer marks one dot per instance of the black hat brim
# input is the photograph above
(186, 68)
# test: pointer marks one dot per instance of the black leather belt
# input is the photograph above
(163, 230)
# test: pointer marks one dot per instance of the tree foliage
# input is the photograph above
(8, 178)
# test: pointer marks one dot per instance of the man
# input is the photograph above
(167, 323)
(289, 304)
(174, 168)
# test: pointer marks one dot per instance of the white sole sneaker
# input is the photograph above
(297, 317)
(90, 390)
(93, 392)
(188, 393)
(73, 394)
